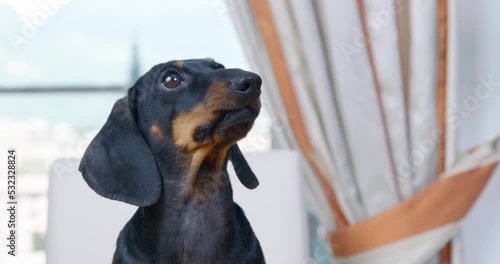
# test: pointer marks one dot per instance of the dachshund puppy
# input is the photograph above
(165, 148)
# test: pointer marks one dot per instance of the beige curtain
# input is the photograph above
(363, 88)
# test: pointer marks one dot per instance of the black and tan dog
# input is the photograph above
(165, 148)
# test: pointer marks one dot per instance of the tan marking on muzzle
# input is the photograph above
(185, 125)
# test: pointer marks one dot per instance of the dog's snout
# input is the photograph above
(246, 83)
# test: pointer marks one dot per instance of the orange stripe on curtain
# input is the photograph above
(263, 17)
(441, 88)
(441, 102)
(376, 82)
(443, 202)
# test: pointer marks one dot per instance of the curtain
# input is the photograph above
(365, 90)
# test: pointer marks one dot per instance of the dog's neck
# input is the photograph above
(194, 178)
(196, 202)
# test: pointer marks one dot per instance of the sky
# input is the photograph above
(89, 42)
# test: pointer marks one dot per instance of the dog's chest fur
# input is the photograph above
(202, 226)
(204, 229)
(208, 228)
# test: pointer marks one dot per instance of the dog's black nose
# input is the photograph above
(246, 82)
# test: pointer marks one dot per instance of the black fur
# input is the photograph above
(126, 162)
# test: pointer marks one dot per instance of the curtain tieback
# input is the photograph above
(445, 201)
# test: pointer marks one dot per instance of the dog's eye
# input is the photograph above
(172, 80)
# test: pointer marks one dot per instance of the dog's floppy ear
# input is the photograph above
(242, 169)
(118, 164)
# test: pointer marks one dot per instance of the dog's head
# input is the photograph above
(192, 110)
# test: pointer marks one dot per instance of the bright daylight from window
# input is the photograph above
(63, 66)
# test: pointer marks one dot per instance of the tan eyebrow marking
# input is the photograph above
(179, 64)
(156, 132)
